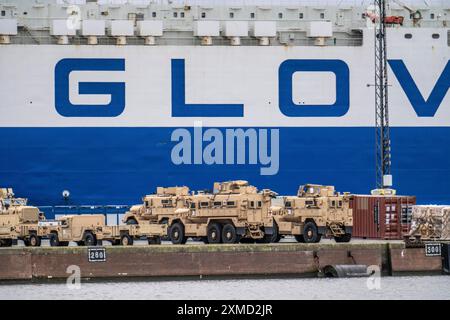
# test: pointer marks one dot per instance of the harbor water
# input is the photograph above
(388, 288)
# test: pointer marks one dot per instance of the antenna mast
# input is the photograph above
(383, 142)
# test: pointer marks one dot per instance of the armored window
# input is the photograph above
(182, 14)
(280, 16)
(3, 13)
(175, 14)
(300, 15)
(146, 203)
(231, 203)
(204, 204)
(154, 14)
(166, 202)
(435, 35)
(259, 204)
(288, 204)
(203, 14)
(322, 15)
(333, 203)
(432, 16)
(231, 15)
(309, 202)
(408, 36)
(252, 15)
(192, 205)
(252, 204)
(217, 203)
(340, 204)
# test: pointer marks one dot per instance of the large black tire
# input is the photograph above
(33, 241)
(126, 240)
(214, 233)
(345, 238)
(274, 237)
(54, 240)
(176, 233)
(229, 234)
(310, 233)
(131, 221)
(89, 239)
(299, 238)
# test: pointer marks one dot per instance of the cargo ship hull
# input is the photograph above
(110, 123)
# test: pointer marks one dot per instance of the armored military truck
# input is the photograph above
(316, 211)
(235, 211)
(158, 208)
(91, 230)
(18, 221)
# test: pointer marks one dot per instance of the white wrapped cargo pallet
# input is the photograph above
(431, 222)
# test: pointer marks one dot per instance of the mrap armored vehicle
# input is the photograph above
(18, 221)
(235, 211)
(316, 211)
(91, 230)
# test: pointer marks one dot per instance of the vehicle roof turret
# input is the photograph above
(235, 186)
(311, 190)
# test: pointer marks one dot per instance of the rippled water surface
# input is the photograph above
(417, 287)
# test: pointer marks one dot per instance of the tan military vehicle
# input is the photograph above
(235, 211)
(158, 208)
(18, 221)
(316, 211)
(91, 230)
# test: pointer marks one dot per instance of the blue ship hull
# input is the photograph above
(120, 165)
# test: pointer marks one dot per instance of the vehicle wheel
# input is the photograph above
(54, 241)
(299, 238)
(131, 221)
(34, 241)
(310, 233)
(229, 234)
(214, 233)
(272, 238)
(345, 238)
(176, 233)
(155, 240)
(89, 239)
(126, 240)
